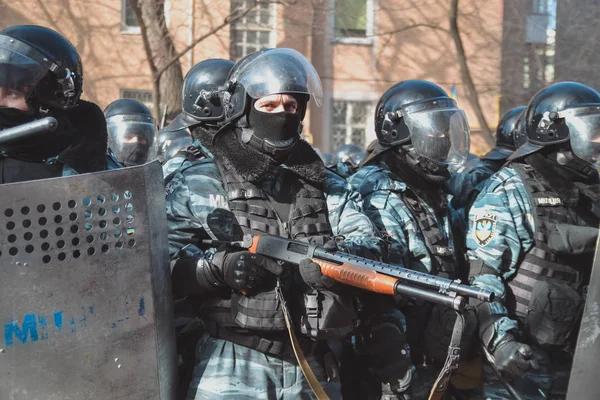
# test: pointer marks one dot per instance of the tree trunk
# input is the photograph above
(466, 75)
(160, 51)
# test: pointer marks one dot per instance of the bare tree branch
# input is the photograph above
(409, 27)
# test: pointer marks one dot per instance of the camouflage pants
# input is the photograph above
(532, 386)
(225, 370)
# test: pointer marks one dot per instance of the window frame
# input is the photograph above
(370, 99)
(149, 104)
(368, 39)
(239, 26)
(126, 29)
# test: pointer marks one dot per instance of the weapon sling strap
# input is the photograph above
(308, 373)
(443, 380)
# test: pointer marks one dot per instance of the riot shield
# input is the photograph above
(85, 296)
(584, 382)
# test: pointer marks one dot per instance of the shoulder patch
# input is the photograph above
(548, 201)
(484, 228)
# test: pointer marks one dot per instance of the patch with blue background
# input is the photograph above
(484, 228)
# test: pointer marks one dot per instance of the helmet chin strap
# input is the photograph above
(567, 159)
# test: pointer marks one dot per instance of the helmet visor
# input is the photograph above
(278, 71)
(19, 75)
(440, 135)
(132, 139)
(584, 133)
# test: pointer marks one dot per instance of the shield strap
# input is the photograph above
(441, 383)
(307, 371)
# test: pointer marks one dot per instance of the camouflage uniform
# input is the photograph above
(500, 231)
(197, 209)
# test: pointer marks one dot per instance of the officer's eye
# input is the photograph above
(291, 107)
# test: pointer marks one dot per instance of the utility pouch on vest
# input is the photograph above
(261, 312)
(553, 313)
(439, 332)
(327, 315)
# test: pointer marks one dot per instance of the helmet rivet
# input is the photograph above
(394, 134)
(206, 111)
(12, 40)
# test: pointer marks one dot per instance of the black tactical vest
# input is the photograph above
(301, 212)
(13, 170)
(442, 255)
(548, 286)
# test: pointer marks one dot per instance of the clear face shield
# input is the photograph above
(439, 131)
(584, 132)
(277, 71)
(132, 138)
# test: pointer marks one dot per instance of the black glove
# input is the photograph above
(311, 271)
(247, 272)
(513, 359)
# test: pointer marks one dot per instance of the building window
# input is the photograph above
(129, 21)
(253, 32)
(143, 96)
(353, 20)
(350, 122)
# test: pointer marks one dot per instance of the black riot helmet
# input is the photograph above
(350, 154)
(564, 113)
(41, 64)
(131, 131)
(519, 134)
(200, 96)
(422, 114)
(268, 72)
(328, 160)
(166, 138)
(505, 135)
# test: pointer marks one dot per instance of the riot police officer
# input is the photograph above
(201, 109)
(420, 132)
(131, 132)
(41, 75)
(260, 177)
(347, 159)
(532, 232)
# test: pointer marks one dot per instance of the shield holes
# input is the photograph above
(131, 243)
(101, 199)
(73, 216)
(91, 251)
(62, 256)
(59, 231)
(130, 231)
(46, 259)
(44, 234)
(9, 212)
(75, 241)
(58, 219)
(89, 238)
(117, 221)
(28, 236)
(26, 223)
(29, 249)
(127, 194)
(60, 244)
(10, 225)
(12, 238)
(87, 214)
(116, 209)
(115, 197)
(117, 233)
(103, 224)
(74, 229)
(119, 246)
(13, 251)
(104, 236)
(128, 207)
(129, 219)
(105, 248)
(41, 208)
(102, 212)
(25, 210)
(89, 226)
(86, 201)
(76, 254)
(45, 246)
(56, 206)
(72, 204)
(42, 221)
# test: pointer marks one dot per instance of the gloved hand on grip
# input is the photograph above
(311, 271)
(247, 272)
(513, 359)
